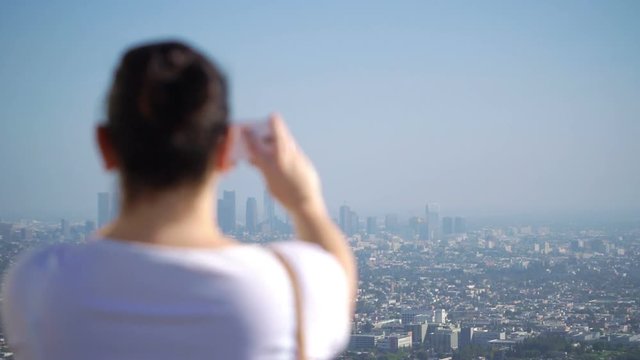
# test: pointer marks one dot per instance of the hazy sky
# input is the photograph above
(484, 107)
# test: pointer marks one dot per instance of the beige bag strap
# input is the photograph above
(295, 286)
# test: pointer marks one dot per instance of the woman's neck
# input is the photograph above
(184, 217)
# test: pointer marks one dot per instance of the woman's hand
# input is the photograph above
(289, 174)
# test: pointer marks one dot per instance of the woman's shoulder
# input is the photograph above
(26, 277)
(310, 260)
(325, 295)
(36, 260)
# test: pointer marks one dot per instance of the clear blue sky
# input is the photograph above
(485, 107)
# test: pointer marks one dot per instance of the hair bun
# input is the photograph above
(174, 86)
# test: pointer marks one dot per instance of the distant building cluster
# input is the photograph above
(255, 228)
(431, 226)
(436, 284)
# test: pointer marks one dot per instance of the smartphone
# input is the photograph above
(239, 150)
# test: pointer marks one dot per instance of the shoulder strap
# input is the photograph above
(295, 286)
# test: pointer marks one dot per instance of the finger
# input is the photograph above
(279, 131)
(252, 147)
(283, 140)
(258, 155)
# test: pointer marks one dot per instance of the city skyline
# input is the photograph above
(265, 219)
(108, 203)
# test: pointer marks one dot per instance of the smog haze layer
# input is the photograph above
(483, 107)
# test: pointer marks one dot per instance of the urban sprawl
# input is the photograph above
(436, 287)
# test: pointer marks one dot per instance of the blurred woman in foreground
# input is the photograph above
(162, 281)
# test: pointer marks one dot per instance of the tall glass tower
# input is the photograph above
(433, 221)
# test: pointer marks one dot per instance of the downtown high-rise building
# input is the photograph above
(269, 210)
(349, 221)
(345, 220)
(433, 221)
(227, 212)
(372, 225)
(355, 223)
(459, 225)
(104, 209)
(447, 225)
(453, 225)
(251, 215)
(391, 223)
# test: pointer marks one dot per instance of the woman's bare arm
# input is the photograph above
(294, 182)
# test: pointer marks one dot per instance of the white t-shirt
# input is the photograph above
(109, 299)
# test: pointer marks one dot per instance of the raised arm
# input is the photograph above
(294, 182)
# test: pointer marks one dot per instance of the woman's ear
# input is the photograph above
(223, 161)
(103, 138)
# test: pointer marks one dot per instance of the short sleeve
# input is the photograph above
(325, 297)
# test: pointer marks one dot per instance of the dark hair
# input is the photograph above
(167, 113)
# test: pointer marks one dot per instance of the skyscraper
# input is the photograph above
(433, 221)
(372, 225)
(251, 218)
(222, 213)
(227, 212)
(230, 200)
(391, 223)
(355, 223)
(104, 213)
(345, 219)
(447, 225)
(459, 225)
(269, 210)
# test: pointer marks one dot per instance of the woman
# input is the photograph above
(162, 281)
